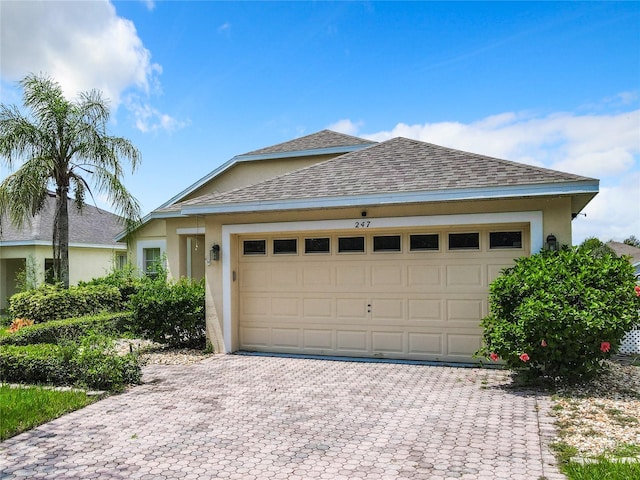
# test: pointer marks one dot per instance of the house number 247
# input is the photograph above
(363, 223)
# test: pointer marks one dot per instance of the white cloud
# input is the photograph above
(81, 45)
(345, 126)
(606, 147)
(149, 119)
(224, 28)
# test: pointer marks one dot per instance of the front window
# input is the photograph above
(151, 258)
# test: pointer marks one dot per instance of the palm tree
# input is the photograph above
(62, 145)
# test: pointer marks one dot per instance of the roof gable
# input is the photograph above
(393, 168)
(315, 141)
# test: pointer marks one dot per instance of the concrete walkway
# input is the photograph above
(249, 417)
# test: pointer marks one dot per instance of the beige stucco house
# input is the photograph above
(93, 250)
(335, 245)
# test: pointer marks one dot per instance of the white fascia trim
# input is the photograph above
(398, 198)
(46, 243)
(190, 231)
(534, 218)
(151, 216)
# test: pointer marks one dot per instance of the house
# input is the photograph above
(624, 250)
(92, 246)
(335, 245)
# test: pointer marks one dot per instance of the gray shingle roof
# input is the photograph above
(396, 166)
(94, 226)
(315, 141)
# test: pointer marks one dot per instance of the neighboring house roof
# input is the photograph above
(397, 171)
(622, 249)
(94, 227)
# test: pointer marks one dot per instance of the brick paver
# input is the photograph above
(251, 417)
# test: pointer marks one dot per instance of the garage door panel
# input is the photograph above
(386, 276)
(352, 308)
(352, 341)
(387, 309)
(254, 277)
(318, 339)
(425, 310)
(426, 343)
(353, 277)
(465, 275)
(255, 336)
(318, 308)
(495, 270)
(424, 276)
(466, 310)
(255, 305)
(285, 306)
(318, 276)
(286, 337)
(284, 278)
(388, 342)
(461, 344)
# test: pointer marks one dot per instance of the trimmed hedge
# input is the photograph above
(72, 364)
(171, 313)
(51, 302)
(59, 331)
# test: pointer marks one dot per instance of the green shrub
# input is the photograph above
(127, 280)
(170, 313)
(559, 314)
(91, 363)
(50, 302)
(60, 331)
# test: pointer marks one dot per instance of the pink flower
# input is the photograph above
(494, 356)
(543, 343)
(637, 289)
(524, 357)
(605, 347)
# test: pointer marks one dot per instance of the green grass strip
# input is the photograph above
(23, 408)
(602, 470)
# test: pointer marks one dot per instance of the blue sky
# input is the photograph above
(194, 83)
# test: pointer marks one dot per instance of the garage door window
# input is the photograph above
(418, 243)
(255, 247)
(464, 241)
(386, 243)
(350, 244)
(505, 240)
(316, 245)
(285, 247)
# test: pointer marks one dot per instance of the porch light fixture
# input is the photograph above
(551, 243)
(214, 253)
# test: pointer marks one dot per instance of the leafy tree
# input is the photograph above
(63, 145)
(633, 241)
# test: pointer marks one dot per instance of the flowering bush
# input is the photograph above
(559, 314)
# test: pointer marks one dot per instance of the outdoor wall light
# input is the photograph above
(551, 243)
(214, 253)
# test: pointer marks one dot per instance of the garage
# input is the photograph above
(410, 293)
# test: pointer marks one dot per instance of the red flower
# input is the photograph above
(543, 343)
(494, 356)
(637, 289)
(524, 357)
(605, 347)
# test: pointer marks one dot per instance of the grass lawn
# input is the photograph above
(23, 408)
(602, 470)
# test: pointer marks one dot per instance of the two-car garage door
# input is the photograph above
(411, 294)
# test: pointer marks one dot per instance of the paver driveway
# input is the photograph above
(267, 417)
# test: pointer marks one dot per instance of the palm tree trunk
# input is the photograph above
(61, 238)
